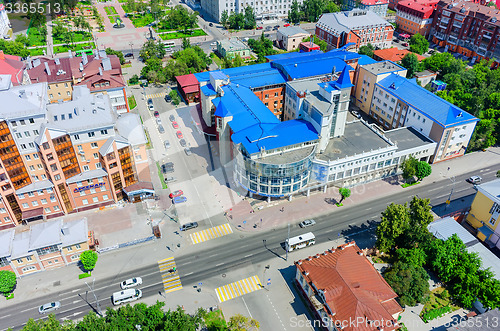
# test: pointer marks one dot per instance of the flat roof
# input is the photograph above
(74, 232)
(6, 237)
(233, 44)
(35, 186)
(382, 67)
(288, 156)
(407, 138)
(87, 175)
(358, 138)
(313, 96)
(491, 189)
(291, 55)
(129, 126)
(23, 100)
(45, 234)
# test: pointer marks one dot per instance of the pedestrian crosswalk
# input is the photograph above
(156, 95)
(239, 288)
(170, 278)
(211, 233)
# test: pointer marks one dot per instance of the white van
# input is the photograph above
(126, 296)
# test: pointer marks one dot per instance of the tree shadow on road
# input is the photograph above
(364, 234)
(331, 201)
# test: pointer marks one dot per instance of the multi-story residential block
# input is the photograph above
(60, 158)
(5, 27)
(231, 47)
(13, 66)
(399, 102)
(100, 73)
(344, 291)
(415, 16)
(44, 246)
(290, 37)
(379, 7)
(467, 28)
(356, 27)
(312, 144)
(485, 211)
(269, 9)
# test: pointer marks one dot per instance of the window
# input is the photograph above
(32, 168)
(27, 157)
(94, 145)
(47, 210)
(39, 166)
(22, 122)
(76, 137)
(44, 201)
(56, 208)
(86, 168)
(6, 219)
(80, 148)
(57, 177)
(53, 199)
(3, 210)
(95, 199)
(47, 250)
(96, 156)
(104, 132)
(85, 201)
(98, 165)
(28, 258)
(25, 205)
(35, 156)
(91, 134)
(34, 203)
(50, 157)
(63, 117)
(105, 197)
(92, 190)
(19, 135)
(28, 269)
(21, 196)
(53, 167)
(77, 246)
(69, 248)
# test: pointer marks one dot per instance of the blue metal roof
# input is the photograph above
(365, 59)
(217, 74)
(440, 110)
(272, 136)
(202, 76)
(291, 55)
(265, 78)
(208, 90)
(316, 64)
(344, 79)
(247, 70)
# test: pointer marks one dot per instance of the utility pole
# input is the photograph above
(95, 297)
(288, 242)
(452, 179)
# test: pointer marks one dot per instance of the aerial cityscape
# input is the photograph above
(249, 165)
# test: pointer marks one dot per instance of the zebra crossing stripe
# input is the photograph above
(239, 288)
(211, 233)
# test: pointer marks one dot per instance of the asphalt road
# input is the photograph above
(236, 251)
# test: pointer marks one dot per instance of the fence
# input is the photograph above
(130, 243)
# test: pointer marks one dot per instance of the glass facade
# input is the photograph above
(269, 179)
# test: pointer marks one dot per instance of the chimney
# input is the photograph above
(2, 55)
(70, 53)
(100, 71)
(85, 60)
(47, 69)
(65, 231)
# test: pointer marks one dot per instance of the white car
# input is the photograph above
(213, 44)
(48, 307)
(474, 179)
(131, 282)
(306, 223)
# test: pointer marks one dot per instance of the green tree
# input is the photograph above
(14, 48)
(249, 18)
(410, 282)
(367, 50)
(344, 193)
(294, 13)
(312, 9)
(262, 47)
(410, 62)
(175, 97)
(423, 170)
(110, 51)
(409, 167)
(331, 7)
(22, 39)
(323, 45)
(131, 5)
(7, 281)
(419, 44)
(395, 219)
(152, 49)
(88, 259)
(224, 19)
(239, 322)
(185, 43)
(236, 21)
(414, 256)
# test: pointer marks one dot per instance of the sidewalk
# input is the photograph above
(245, 216)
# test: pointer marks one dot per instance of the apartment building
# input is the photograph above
(60, 158)
(415, 16)
(467, 28)
(231, 47)
(5, 26)
(379, 7)
(99, 72)
(43, 246)
(290, 37)
(263, 9)
(357, 27)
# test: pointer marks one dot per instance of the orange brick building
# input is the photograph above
(415, 16)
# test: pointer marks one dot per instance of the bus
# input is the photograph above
(169, 44)
(304, 240)
(126, 296)
(86, 51)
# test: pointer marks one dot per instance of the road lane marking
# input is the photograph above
(211, 233)
(237, 289)
(171, 280)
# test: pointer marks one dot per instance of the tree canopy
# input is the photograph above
(152, 49)
(367, 50)
(419, 44)
(88, 259)
(262, 47)
(410, 62)
(7, 281)
(410, 282)
(14, 48)
(311, 10)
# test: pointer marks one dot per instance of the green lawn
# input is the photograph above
(112, 19)
(140, 21)
(435, 305)
(162, 179)
(37, 51)
(77, 37)
(85, 3)
(216, 59)
(35, 39)
(77, 47)
(131, 102)
(177, 35)
(110, 10)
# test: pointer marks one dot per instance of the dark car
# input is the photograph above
(210, 24)
(297, 24)
(182, 142)
(189, 226)
(168, 98)
(129, 55)
(161, 129)
(171, 118)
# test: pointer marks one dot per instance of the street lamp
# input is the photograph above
(95, 297)
(132, 49)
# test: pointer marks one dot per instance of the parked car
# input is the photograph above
(48, 307)
(167, 144)
(175, 125)
(177, 200)
(156, 113)
(260, 28)
(158, 121)
(297, 24)
(474, 180)
(167, 167)
(187, 150)
(129, 55)
(168, 98)
(169, 179)
(131, 282)
(210, 24)
(179, 135)
(150, 101)
(432, 51)
(161, 129)
(306, 223)
(189, 226)
(287, 24)
(356, 114)
(268, 28)
(213, 44)
(171, 118)
(277, 26)
(151, 107)
(175, 194)
(183, 143)
(405, 44)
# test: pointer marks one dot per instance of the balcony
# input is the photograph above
(487, 36)
(444, 21)
(452, 39)
(457, 24)
(481, 52)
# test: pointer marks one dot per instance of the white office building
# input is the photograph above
(264, 9)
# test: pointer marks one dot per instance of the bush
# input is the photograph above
(134, 80)
(7, 281)
(175, 97)
(435, 313)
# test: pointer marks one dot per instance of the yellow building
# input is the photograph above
(484, 212)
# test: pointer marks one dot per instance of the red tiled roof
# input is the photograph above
(186, 80)
(394, 54)
(139, 186)
(374, 2)
(12, 65)
(114, 81)
(190, 89)
(352, 287)
(424, 7)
